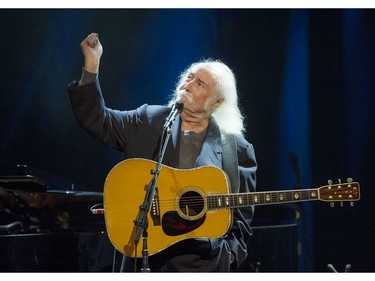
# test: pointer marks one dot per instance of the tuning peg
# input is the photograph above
(351, 204)
(342, 204)
(332, 204)
(339, 180)
(330, 182)
(349, 180)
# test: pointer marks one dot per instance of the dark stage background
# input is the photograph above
(306, 80)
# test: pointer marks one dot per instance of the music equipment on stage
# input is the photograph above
(44, 221)
(192, 203)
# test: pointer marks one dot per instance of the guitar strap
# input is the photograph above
(230, 162)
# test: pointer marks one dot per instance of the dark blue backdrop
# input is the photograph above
(306, 80)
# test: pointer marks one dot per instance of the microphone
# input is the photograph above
(176, 109)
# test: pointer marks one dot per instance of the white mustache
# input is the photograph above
(184, 94)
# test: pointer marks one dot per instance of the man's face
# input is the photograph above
(197, 91)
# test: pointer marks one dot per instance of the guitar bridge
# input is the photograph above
(155, 209)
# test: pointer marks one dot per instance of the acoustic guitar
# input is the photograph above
(192, 203)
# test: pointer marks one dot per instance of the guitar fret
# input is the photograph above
(236, 200)
(275, 197)
(288, 196)
(313, 194)
(209, 201)
(296, 195)
(281, 196)
(260, 199)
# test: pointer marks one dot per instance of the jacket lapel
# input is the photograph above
(211, 152)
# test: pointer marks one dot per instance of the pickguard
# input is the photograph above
(174, 225)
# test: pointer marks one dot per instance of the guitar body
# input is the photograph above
(179, 209)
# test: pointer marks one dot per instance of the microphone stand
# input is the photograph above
(141, 221)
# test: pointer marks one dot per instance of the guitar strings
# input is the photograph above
(248, 198)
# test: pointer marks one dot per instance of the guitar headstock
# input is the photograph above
(340, 192)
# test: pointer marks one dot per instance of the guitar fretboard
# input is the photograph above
(223, 201)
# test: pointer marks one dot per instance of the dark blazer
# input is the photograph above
(137, 134)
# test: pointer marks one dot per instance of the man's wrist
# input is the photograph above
(87, 77)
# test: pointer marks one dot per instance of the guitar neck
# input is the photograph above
(236, 200)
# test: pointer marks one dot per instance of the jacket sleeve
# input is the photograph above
(112, 127)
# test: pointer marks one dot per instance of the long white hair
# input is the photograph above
(228, 115)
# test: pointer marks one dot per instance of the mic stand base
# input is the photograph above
(145, 267)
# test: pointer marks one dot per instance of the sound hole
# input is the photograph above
(191, 204)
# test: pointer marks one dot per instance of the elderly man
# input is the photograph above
(210, 118)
